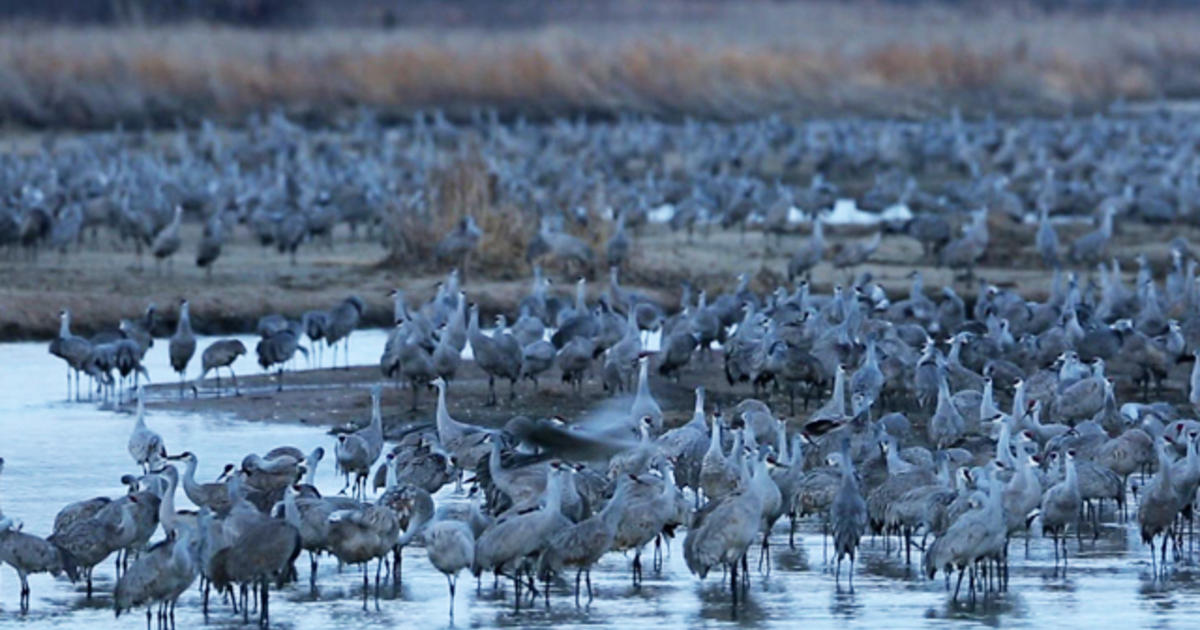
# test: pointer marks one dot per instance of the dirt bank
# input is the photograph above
(104, 282)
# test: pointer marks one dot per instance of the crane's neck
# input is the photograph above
(839, 392)
(473, 326)
(714, 443)
(310, 463)
(291, 513)
(1003, 444)
(698, 411)
(189, 473)
(185, 320)
(64, 325)
(376, 413)
(444, 423)
(392, 480)
(554, 489)
(643, 378)
(611, 515)
(495, 468)
(166, 507)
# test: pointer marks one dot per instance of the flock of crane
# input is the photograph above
(951, 425)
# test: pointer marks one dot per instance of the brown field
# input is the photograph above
(723, 60)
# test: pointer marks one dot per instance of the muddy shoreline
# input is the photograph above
(104, 282)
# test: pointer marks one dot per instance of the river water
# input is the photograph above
(58, 452)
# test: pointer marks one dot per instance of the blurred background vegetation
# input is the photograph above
(94, 64)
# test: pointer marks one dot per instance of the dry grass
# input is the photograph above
(740, 61)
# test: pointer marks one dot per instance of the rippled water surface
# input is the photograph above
(59, 452)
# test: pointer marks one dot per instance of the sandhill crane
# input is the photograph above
(361, 535)
(343, 319)
(73, 349)
(277, 349)
(182, 345)
(90, 541)
(214, 496)
(1060, 507)
(450, 545)
(209, 248)
(404, 355)
(315, 323)
(504, 546)
(721, 533)
(582, 544)
(357, 452)
(494, 358)
(847, 515)
(1092, 247)
(457, 245)
(28, 554)
(686, 445)
(261, 552)
(221, 354)
(644, 404)
(1046, 239)
(617, 247)
(167, 241)
(160, 575)
(1158, 508)
(145, 446)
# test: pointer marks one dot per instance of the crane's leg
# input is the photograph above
(451, 581)
(280, 388)
(733, 582)
(366, 586)
(588, 577)
(578, 576)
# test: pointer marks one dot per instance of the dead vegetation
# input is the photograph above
(739, 61)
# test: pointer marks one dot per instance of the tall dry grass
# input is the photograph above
(742, 60)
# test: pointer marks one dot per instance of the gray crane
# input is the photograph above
(494, 358)
(160, 575)
(343, 319)
(404, 355)
(1046, 239)
(209, 248)
(214, 495)
(847, 515)
(315, 324)
(450, 546)
(167, 241)
(277, 349)
(222, 354)
(644, 404)
(506, 543)
(144, 445)
(1060, 508)
(28, 554)
(582, 544)
(686, 446)
(1092, 247)
(182, 345)
(361, 535)
(357, 452)
(75, 350)
(1158, 509)
(262, 552)
(446, 357)
(721, 532)
(90, 541)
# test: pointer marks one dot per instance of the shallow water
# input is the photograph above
(59, 452)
